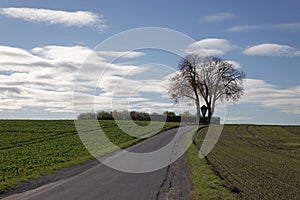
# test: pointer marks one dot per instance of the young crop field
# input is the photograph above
(258, 162)
(31, 148)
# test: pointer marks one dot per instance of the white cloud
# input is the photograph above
(126, 54)
(77, 19)
(234, 63)
(267, 95)
(244, 28)
(295, 26)
(270, 49)
(288, 26)
(73, 54)
(210, 46)
(217, 17)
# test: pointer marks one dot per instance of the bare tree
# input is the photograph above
(185, 83)
(207, 78)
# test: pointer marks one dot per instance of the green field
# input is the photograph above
(255, 162)
(31, 148)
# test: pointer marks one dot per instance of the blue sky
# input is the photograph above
(41, 52)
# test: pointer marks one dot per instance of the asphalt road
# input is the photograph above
(102, 182)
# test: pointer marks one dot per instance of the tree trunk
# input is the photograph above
(211, 110)
(198, 111)
(210, 113)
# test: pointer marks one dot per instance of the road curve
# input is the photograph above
(102, 182)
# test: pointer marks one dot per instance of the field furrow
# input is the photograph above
(262, 162)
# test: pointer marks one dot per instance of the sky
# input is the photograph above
(50, 47)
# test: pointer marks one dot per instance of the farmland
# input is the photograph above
(257, 162)
(31, 148)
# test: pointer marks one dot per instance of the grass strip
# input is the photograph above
(206, 184)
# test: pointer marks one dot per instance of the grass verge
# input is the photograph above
(206, 184)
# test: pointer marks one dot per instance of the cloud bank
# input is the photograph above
(267, 95)
(43, 78)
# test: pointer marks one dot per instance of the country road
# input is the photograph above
(102, 182)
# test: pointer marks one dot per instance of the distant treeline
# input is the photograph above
(142, 116)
